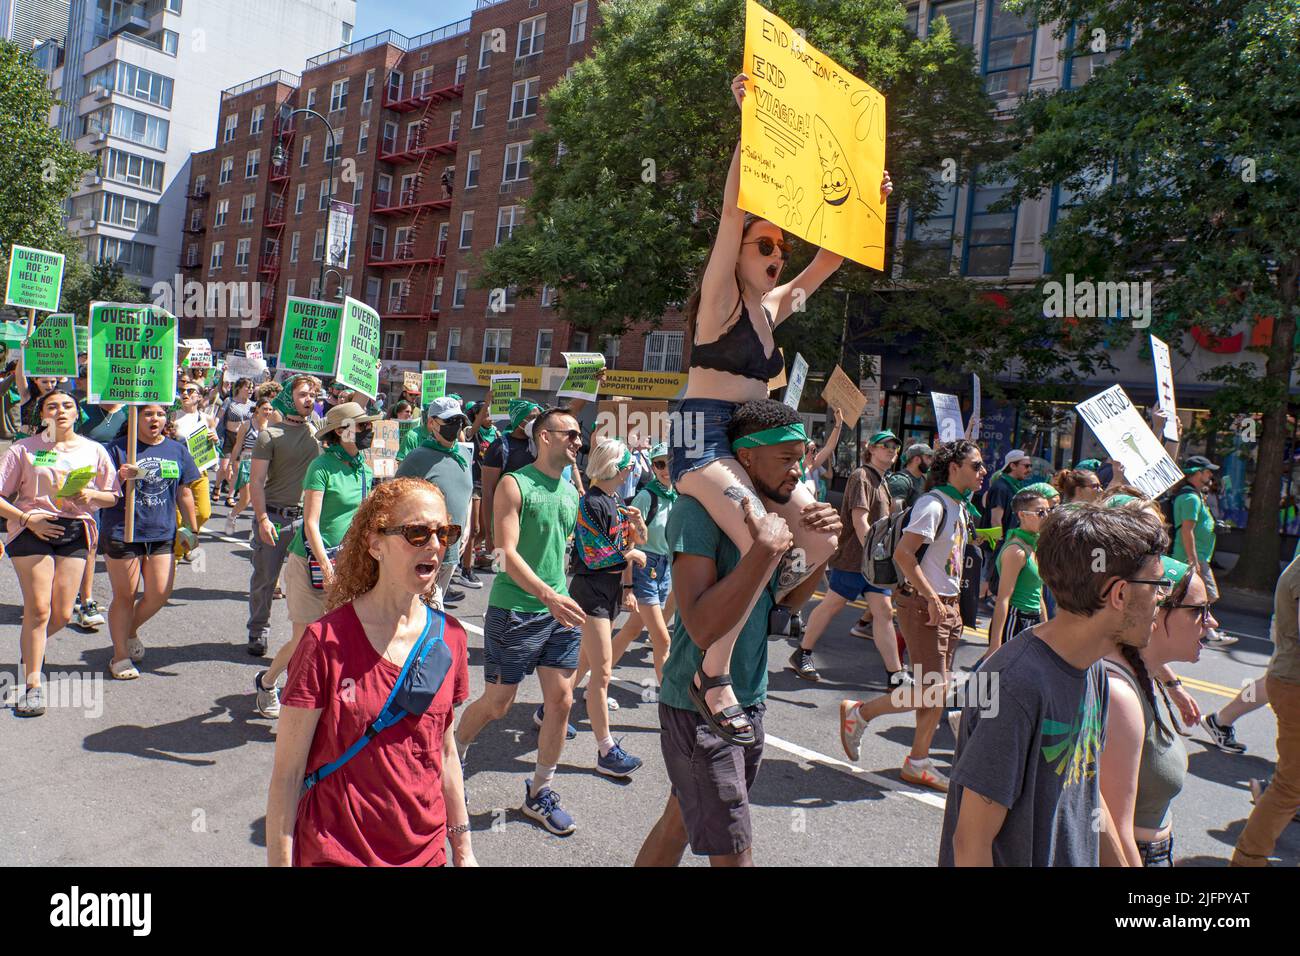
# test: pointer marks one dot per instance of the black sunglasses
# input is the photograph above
(570, 434)
(659, 463)
(418, 535)
(1038, 512)
(767, 245)
(1203, 610)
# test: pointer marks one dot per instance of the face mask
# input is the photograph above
(363, 440)
(449, 430)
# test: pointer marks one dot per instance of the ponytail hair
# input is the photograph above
(1068, 481)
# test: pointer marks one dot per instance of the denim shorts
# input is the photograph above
(516, 643)
(652, 583)
(850, 585)
(708, 420)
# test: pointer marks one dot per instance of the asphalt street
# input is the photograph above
(172, 769)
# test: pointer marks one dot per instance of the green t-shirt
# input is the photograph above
(412, 440)
(692, 531)
(430, 462)
(1028, 593)
(1190, 506)
(344, 482)
(548, 515)
(658, 526)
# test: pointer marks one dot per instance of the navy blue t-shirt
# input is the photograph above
(155, 492)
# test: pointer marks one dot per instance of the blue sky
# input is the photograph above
(410, 17)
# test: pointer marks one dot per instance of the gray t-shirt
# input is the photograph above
(289, 448)
(1034, 749)
(455, 482)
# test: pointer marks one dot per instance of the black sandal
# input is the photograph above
(727, 718)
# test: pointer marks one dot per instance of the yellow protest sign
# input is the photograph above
(668, 385)
(530, 375)
(812, 141)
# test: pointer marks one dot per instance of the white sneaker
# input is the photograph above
(852, 727)
(923, 774)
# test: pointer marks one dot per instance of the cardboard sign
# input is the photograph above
(583, 378)
(35, 279)
(628, 418)
(501, 390)
(1129, 441)
(947, 416)
(358, 364)
(132, 357)
(309, 340)
(1165, 386)
(798, 376)
(411, 382)
(840, 393)
(200, 353)
(52, 349)
(812, 143)
(253, 350)
(382, 454)
(433, 384)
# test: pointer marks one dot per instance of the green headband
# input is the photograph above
(626, 459)
(772, 436)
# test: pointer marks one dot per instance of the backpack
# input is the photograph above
(882, 539)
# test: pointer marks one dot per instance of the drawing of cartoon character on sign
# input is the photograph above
(840, 195)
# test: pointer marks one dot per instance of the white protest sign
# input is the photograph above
(1165, 386)
(200, 353)
(241, 366)
(1129, 441)
(253, 350)
(947, 416)
(798, 376)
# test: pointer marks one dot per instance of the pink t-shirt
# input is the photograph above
(33, 470)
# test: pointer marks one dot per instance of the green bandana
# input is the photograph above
(667, 494)
(452, 452)
(520, 409)
(1117, 501)
(1042, 488)
(965, 499)
(772, 436)
(338, 451)
(625, 460)
(489, 434)
(1028, 538)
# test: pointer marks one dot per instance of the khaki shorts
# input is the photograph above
(1207, 575)
(930, 648)
(306, 604)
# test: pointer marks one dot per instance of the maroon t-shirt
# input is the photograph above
(384, 807)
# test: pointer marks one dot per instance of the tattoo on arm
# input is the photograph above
(740, 494)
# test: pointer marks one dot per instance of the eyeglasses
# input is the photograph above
(1038, 512)
(189, 391)
(570, 434)
(767, 245)
(978, 465)
(1203, 610)
(659, 463)
(418, 535)
(1164, 587)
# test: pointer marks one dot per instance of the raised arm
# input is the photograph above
(829, 448)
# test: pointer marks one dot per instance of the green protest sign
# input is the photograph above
(584, 374)
(35, 279)
(132, 355)
(502, 389)
(309, 341)
(433, 385)
(358, 365)
(201, 448)
(52, 348)
(12, 334)
(83, 338)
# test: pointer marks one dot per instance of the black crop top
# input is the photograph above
(739, 351)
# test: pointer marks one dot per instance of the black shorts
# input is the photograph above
(71, 542)
(228, 445)
(598, 594)
(711, 779)
(136, 549)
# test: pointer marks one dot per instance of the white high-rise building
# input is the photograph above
(30, 23)
(141, 84)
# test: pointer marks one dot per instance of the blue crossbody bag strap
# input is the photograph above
(391, 713)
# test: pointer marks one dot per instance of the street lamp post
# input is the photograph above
(278, 157)
(339, 276)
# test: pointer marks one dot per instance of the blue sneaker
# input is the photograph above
(570, 731)
(618, 762)
(545, 809)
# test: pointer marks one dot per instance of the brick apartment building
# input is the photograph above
(411, 114)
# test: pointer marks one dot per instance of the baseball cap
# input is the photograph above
(445, 408)
(659, 451)
(880, 437)
(1195, 463)
(1014, 455)
(916, 451)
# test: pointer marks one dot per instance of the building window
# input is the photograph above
(547, 297)
(333, 145)
(496, 346)
(373, 286)
(471, 170)
(516, 167)
(1080, 66)
(252, 163)
(453, 345)
(311, 98)
(961, 19)
(358, 188)
(227, 169)
(431, 345)
(578, 341)
(989, 236)
(663, 352)
(532, 36)
(524, 97)
(1008, 52)
(453, 131)
(395, 80)
(305, 156)
(318, 247)
(232, 121)
(462, 67)
(300, 200)
(393, 344)
(368, 91)
(133, 170)
(484, 51)
(413, 134)
(441, 249)
(323, 201)
(578, 23)
(397, 292)
(290, 286)
(466, 229)
(508, 217)
(315, 288)
(171, 41)
(218, 254)
(437, 299)
(458, 290)
(480, 109)
(932, 235)
(257, 121)
(295, 241)
(346, 32)
(363, 138)
(223, 210)
(542, 356)
(246, 207)
(129, 213)
(241, 252)
(609, 346)
(174, 6)
(339, 95)
(422, 81)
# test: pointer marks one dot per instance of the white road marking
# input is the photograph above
(883, 783)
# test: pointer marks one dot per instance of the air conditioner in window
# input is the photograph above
(507, 188)
(100, 138)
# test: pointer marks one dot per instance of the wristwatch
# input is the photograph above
(1176, 682)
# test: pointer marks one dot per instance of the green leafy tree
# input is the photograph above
(38, 170)
(1183, 152)
(99, 282)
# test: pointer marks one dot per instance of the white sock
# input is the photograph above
(542, 778)
(606, 744)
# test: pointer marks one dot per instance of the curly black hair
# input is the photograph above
(758, 416)
(949, 453)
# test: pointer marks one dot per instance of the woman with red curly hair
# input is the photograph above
(366, 724)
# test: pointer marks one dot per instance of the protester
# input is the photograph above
(402, 412)
(819, 466)
(1004, 485)
(188, 420)
(532, 624)
(482, 434)
(605, 547)
(1277, 805)
(1145, 762)
(1077, 484)
(1030, 750)
(866, 501)
(399, 799)
(234, 411)
(906, 485)
(164, 476)
(930, 557)
(1194, 536)
(638, 472)
(508, 453)
(719, 590)
(1019, 602)
(281, 457)
(731, 319)
(100, 423)
(241, 459)
(49, 535)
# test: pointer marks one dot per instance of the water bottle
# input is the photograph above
(878, 552)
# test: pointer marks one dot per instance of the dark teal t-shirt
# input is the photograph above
(691, 531)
